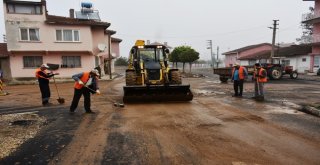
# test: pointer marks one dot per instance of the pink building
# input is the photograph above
(77, 43)
(314, 19)
(233, 56)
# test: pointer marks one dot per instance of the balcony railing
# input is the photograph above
(310, 16)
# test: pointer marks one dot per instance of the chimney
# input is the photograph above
(71, 11)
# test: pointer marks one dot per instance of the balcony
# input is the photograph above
(311, 18)
(313, 40)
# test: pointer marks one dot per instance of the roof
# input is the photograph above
(294, 50)
(116, 39)
(3, 50)
(246, 48)
(111, 32)
(158, 43)
(52, 19)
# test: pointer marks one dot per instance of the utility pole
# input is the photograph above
(274, 28)
(211, 52)
(217, 56)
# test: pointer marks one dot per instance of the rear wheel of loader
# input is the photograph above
(131, 78)
(176, 77)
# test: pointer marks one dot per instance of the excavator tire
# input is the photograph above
(131, 78)
(175, 77)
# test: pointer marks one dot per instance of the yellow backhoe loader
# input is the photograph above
(149, 78)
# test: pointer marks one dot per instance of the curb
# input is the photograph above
(310, 110)
(304, 108)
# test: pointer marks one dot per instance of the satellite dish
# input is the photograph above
(101, 47)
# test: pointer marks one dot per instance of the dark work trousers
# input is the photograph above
(76, 97)
(238, 84)
(45, 92)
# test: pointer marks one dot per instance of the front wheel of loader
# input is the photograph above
(175, 77)
(131, 78)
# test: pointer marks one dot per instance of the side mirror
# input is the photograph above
(167, 51)
(133, 51)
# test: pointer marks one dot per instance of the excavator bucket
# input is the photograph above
(158, 93)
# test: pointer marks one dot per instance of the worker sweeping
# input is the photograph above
(260, 77)
(43, 79)
(86, 83)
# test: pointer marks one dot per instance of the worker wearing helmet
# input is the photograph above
(43, 79)
(86, 83)
(260, 77)
(239, 73)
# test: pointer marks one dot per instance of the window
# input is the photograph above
(304, 59)
(68, 35)
(71, 62)
(24, 8)
(286, 62)
(29, 34)
(32, 61)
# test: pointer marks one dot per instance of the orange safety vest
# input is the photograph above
(84, 79)
(260, 79)
(38, 75)
(241, 73)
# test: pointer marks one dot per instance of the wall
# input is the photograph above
(230, 60)
(298, 64)
(87, 61)
(115, 47)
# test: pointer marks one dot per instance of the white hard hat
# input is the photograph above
(45, 66)
(95, 71)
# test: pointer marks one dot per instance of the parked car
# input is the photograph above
(318, 73)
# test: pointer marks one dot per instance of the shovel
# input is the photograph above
(259, 97)
(90, 89)
(60, 100)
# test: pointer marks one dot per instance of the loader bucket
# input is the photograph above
(169, 93)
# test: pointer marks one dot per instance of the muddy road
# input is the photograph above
(214, 128)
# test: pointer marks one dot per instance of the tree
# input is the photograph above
(174, 56)
(307, 29)
(185, 54)
(122, 61)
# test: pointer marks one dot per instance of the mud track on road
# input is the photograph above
(212, 129)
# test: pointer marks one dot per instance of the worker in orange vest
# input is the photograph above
(260, 77)
(239, 74)
(43, 79)
(86, 83)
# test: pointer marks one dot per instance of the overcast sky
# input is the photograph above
(229, 24)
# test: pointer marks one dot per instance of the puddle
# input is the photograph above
(281, 110)
(214, 82)
(206, 92)
(23, 122)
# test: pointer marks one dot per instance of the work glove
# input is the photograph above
(80, 82)
(98, 92)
